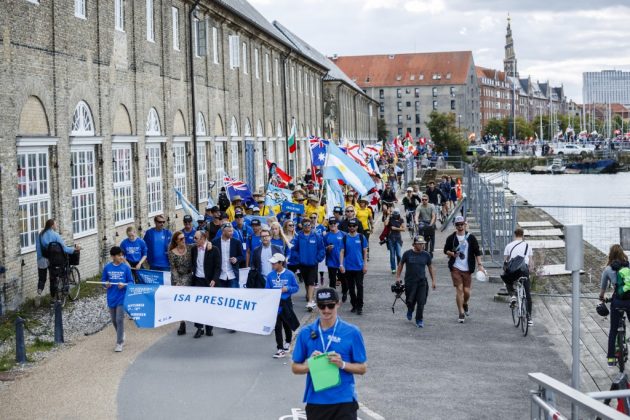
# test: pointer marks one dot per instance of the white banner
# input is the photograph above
(247, 310)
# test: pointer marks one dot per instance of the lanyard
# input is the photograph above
(321, 336)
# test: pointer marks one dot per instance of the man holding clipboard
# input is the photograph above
(330, 351)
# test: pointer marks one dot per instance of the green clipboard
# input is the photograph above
(324, 374)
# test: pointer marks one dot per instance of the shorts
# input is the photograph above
(309, 274)
(340, 411)
(461, 277)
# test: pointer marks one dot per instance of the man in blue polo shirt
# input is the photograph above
(353, 263)
(333, 241)
(344, 345)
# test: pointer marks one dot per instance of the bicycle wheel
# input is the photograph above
(61, 295)
(515, 318)
(621, 349)
(74, 283)
(524, 324)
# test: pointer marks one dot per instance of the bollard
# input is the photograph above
(58, 324)
(20, 347)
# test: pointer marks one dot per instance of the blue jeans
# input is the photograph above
(395, 253)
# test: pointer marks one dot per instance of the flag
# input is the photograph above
(234, 187)
(318, 150)
(189, 209)
(340, 166)
(334, 196)
(398, 147)
(372, 149)
(276, 195)
(353, 151)
(291, 141)
(373, 165)
(285, 177)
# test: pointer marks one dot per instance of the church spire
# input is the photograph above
(509, 62)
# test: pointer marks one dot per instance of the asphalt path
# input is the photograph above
(448, 370)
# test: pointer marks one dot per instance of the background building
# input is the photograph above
(606, 86)
(409, 87)
(98, 129)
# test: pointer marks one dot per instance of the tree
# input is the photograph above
(494, 127)
(381, 129)
(445, 134)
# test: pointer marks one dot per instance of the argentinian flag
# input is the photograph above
(340, 166)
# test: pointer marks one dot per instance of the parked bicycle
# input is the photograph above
(68, 279)
(519, 309)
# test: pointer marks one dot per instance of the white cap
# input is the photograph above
(276, 258)
(459, 219)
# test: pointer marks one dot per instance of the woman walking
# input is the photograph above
(181, 263)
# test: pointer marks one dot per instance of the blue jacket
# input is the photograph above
(287, 278)
(157, 247)
(48, 237)
(308, 249)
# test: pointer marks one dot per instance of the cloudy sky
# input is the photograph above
(554, 40)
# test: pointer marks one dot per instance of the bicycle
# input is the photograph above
(412, 226)
(69, 280)
(519, 310)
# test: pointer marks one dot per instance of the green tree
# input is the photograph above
(523, 129)
(381, 129)
(494, 127)
(445, 134)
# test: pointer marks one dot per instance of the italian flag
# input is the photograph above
(292, 145)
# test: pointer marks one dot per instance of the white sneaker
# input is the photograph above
(287, 346)
(530, 322)
(119, 348)
(279, 354)
(310, 306)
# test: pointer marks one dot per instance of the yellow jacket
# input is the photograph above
(320, 210)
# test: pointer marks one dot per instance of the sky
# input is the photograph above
(555, 40)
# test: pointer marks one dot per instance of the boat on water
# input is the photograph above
(556, 167)
(602, 166)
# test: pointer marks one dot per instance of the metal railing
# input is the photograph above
(544, 404)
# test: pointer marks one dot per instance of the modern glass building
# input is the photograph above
(606, 86)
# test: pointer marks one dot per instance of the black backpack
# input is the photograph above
(517, 264)
(55, 254)
(255, 280)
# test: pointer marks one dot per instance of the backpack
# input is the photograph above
(623, 283)
(55, 254)
(255, 280)
(516, 264)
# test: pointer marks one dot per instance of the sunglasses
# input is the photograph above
(326, 305)
(349, 211)
(182, 238)
(425, 199)
(291, 225)
(459, 224)
(161, 222)
(352, 226)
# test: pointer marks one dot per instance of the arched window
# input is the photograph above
(153, 124)
(248, 128)
(234, 127)
(201, 125)
(259, 129)
(279, 129)
(82, 124)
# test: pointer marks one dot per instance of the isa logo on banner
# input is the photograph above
(140, 304)
(290, 207)
(162, 278)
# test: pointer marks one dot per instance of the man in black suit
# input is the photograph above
(262, 254)
(206, 267)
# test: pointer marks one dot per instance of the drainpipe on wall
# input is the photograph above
(192, 98)
(285, 58)
(356, 117)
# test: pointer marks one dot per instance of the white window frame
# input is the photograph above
(215, 45)
(155, 202)
(277, 71)
(219, 161)
(119, 15)
(306, 90)
(122, 176)
(83, 181)
(202, 172)
(79, 9)
(150, 23)
(299, 77)
(267, 69)
(179, 171)
(234, 160)
(153, 124)
(245, 58)
(82, 122)
(175, 27)
(256, 63)
(33, 194)
(235, 51)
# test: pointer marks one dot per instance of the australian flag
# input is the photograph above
(234, 187)
(318, 150)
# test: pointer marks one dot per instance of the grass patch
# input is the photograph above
(7, 361)
(39, 345)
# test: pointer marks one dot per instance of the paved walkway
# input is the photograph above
(446, 370)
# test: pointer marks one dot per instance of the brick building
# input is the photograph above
(97, 125)
(409, 87)
(495, 94)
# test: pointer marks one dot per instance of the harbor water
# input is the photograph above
(576, 193)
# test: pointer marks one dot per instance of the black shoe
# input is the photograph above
(344, 297)
(353, 310)
(359, 311)
(182, 328)
(199, 333)
(209, 332)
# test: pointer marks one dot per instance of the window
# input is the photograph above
(400, 131)
(306, 84)
(408, 104)
(421, 77)
(199, 38)
(399, 106)
(215, 45)
(417, 118)
(417, 105)
(153, 124)
(434, 92)
(453, 104)
(119, 15)
(416, 92)
(154, 179)
(267, 70)
(293, 77)
(234, 42)
(381, 93)
(452, 91)
(82, 124)
(33, 194)
(399, 93)
(408, 117)
(234, 160)
(79, 8)
(123, 184)
(300, 80)
(407, 91)
(150, 26)
(417, 131)
(313, 86)
(244, 58)
(277, 71)
(256, 64)
(219, 160)
(179, 171)
(202, 172)
(382, 107)
(399, 119)
(83, 191)
(435, 105)
(176, 28)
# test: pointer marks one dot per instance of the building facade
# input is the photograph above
(99, 128)
(409, 87)
(606, 86)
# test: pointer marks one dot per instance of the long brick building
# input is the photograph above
(97, 124)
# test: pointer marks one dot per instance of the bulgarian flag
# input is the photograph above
(292, 144)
